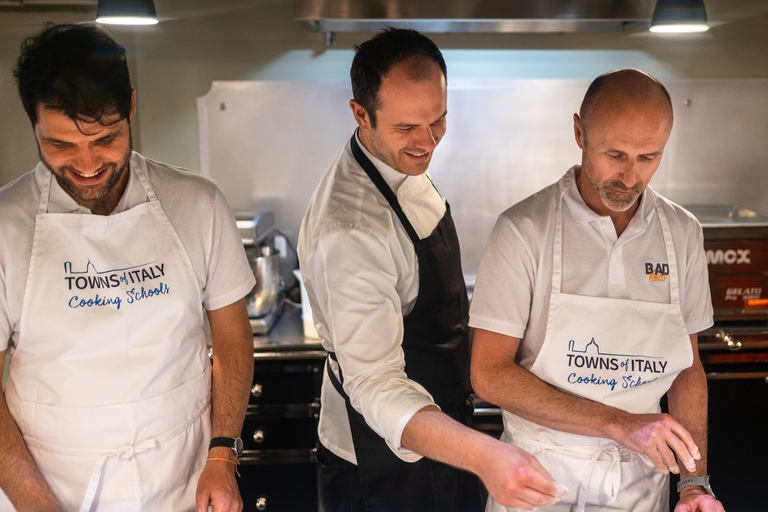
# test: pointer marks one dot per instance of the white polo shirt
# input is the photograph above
(514, 280)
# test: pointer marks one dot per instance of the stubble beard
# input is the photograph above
(604, 190)
(381, 151)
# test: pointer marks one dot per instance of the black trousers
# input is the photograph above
(338, 483)
(339, 487)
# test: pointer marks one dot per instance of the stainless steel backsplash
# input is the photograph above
(267, 143)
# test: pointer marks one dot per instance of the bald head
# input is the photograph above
(625, 90)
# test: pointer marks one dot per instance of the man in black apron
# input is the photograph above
(380, 260)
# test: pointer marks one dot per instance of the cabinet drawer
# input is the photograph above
(286, 383)
(278, 433)
(279, 488)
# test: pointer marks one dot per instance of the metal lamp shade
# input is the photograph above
(126, 12)
(679, 16)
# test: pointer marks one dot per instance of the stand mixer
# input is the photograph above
(264, 301)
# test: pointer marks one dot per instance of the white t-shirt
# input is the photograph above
(514, 280)
(361, 275)
(193, 203)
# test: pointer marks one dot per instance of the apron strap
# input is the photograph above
(332, 376)
(381, 184)
(674, 283)
(45, 194)
(126, 452)
(557, 249)
(142, 173)
(613, 478)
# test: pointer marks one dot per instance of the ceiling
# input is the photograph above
(569, 13)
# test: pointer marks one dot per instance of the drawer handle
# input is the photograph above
(733, 345)
(737, 376)
(256, 390)
(261, 503)
(258, 436)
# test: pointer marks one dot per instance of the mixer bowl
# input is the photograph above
(260, 300)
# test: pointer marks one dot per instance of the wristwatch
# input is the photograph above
(236, 444)
(702, 481)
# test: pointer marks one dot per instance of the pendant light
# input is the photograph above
(679, 16)
(126, 12)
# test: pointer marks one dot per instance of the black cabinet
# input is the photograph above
(280, 432)
(278, 486)
(738, 416)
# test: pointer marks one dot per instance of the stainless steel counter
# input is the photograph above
(286, 338)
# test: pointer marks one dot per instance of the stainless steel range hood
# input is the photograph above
(476, 15)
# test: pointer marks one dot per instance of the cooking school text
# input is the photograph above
(143, 280)
(625, 371)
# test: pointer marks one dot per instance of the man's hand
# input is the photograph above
(512, 476)
(218, 488)
(516, 479)
(694, 499)
(659, 437)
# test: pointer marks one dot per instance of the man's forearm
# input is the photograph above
(232, 373)
(687, 398)
(20, 478)
(512, 476)
(232, 345)
(435, 435)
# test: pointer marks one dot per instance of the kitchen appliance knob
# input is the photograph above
(258, 436)
(733, 345)
(256, 390)
(261, 503)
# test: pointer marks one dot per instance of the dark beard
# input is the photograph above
(89, 194)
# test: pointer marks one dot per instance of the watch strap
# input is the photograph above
(226, 442)
(701, 481)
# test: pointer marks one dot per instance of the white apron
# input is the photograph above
(622, 353)
(110, 382)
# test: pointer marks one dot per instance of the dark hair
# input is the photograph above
(375, 57)
(76, 69)
(603, 80)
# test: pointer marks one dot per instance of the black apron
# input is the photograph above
(436, 347)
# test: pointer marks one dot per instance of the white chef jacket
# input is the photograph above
(361, 275)
(514, 281)
(193, 203)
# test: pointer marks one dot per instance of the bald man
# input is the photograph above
(586, 311)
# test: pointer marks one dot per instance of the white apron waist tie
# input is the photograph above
(123, 452)
(612, 481)
(126, 452)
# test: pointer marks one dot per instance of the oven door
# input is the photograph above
(735, 359)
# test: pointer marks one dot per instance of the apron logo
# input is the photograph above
(92, 279)
(658, 272)
(613, 364)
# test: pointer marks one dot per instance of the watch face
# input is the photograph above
(238, 446)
